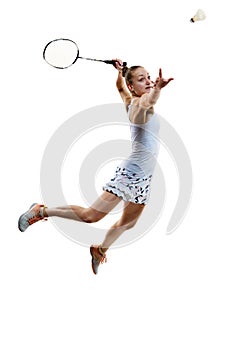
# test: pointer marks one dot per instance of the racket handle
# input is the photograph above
(109, 62)
(114, 63)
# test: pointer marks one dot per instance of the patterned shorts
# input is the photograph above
(129, 186)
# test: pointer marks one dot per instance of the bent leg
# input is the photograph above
(101, 207)
(130, 216)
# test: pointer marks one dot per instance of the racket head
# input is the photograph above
(61, 53)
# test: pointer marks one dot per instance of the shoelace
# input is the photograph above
(36, 217)
(100, 257)
(103, 259)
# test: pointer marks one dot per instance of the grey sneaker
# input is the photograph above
(97, 258)
(34, 214)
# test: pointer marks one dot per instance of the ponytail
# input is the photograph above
(124, 71)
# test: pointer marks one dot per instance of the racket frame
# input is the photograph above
(77, 56)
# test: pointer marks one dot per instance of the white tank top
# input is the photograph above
(145, 147)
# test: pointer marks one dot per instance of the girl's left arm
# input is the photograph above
(149, 100)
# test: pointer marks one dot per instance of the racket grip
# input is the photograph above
(109, 62)
(114, 63)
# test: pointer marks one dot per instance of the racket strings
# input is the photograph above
(61, 53)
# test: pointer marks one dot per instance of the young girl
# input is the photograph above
(133, 176)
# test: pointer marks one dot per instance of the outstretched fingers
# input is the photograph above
(170, 79)
(161, 76)
(160, 81)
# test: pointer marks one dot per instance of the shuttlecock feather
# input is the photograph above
(199, 16)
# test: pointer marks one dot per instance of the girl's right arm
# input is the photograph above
(120, 83)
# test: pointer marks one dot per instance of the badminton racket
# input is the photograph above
(63, 53)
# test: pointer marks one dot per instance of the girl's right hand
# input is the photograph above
(118, 64)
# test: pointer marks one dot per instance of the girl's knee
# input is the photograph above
(90, 216)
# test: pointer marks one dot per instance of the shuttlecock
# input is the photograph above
(199, 16)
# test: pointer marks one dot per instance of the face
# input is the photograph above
(141, 82)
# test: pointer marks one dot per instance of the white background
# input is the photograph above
(162, 292)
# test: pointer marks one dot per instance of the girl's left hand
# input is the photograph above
(160, 81)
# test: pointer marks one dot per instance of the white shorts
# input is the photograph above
(129, 186)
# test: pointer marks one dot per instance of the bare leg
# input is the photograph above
(128, 219)
(72, 212)
(102, 206)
